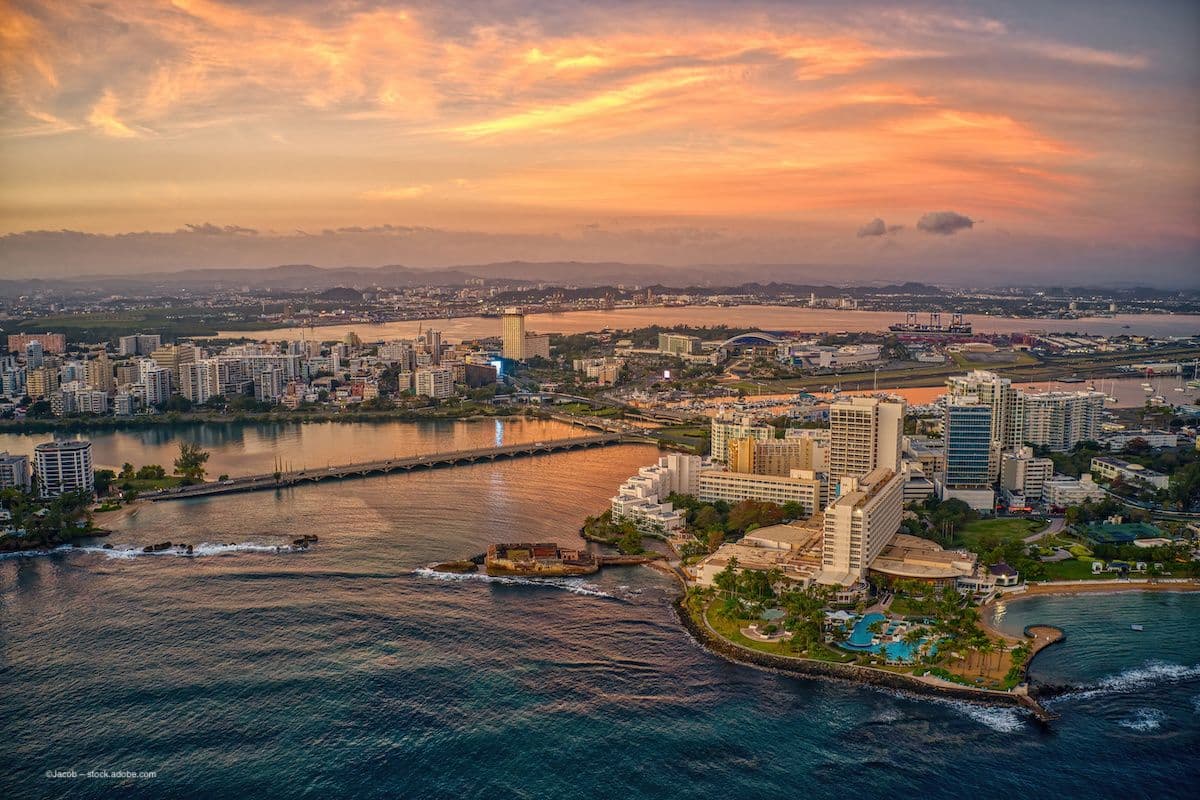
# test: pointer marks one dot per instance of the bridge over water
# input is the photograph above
(253, 483)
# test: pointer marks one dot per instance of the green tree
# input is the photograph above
(190, 463)
(630, 543)
(104, 480)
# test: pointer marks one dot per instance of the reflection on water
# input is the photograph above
(240, 448)
(780, 318)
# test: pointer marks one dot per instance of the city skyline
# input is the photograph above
(887, 140)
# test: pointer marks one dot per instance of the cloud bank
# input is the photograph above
(944, 223)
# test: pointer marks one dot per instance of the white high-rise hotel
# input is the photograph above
(865, 433)
(865, 441)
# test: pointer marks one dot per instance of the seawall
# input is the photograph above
(851, 673)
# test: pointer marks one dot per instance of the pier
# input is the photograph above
(284, 479)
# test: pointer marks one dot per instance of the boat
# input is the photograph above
(934, 328)
(1137, 628)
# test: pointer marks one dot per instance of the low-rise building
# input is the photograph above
(1118, 440)
(792, 549)
(808, 488)
(1022, 473)
(1114, 468)
(912, 558)
(1061, 491)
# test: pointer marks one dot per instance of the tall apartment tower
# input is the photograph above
(64, 466)
(728, 427)
(991, 390)
(865, 434)
(512, 329)
(99, 372)
(1059, 420)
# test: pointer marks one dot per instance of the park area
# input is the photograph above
(986, 534)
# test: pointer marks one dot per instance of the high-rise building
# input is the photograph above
(678, 344)
(969, 448)
(35, 355)
(512, 329)
(859, 524)
(777, 456)
(42, 382)
(49, 342)
(200, 380)
(1060, 420)
(99, 372)
(269, 384)
(727, 427)
(139, 344)
(64, 466)
(643, 498)
(435, 382)
(433, 345)
(995, 392)
(537, 345)
(14, 472)
(157, 382)
(865, 434)
(173, 357)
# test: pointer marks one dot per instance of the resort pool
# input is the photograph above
(860, 637)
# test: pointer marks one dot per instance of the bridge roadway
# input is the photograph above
(253, 483)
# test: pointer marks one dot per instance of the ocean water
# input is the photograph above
(351, 670)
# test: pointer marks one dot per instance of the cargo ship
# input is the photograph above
(935, 327)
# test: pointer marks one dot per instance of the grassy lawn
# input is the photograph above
(1005, 529)
(1073, 570)
(731, 629)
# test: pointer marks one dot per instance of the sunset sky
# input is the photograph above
(887, 138)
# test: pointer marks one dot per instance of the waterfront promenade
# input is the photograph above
(285, 478)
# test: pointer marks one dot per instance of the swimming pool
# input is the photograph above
(860, 637)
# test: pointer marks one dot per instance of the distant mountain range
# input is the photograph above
(309, 278)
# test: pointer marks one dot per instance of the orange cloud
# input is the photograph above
(749, 114)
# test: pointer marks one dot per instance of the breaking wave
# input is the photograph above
(125, 553)
(573, 585)
(1144, 720)
(1152, 673)
(1001, 719)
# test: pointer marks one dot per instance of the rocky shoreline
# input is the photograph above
(851, 673)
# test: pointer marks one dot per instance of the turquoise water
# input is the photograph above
(351, 671)
(861, 636)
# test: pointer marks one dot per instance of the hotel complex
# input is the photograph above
(851, 481)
